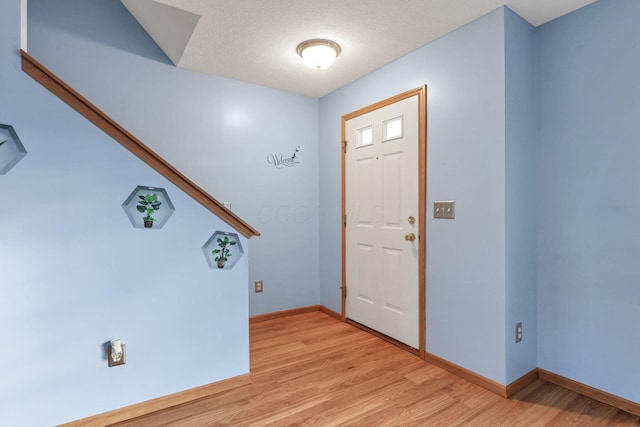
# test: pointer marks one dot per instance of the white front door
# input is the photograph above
(382, 197)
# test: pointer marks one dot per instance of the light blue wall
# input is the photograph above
(520, 161)
(74, 273)
(579, 304)
(216, 131)
(589, 197)
(465, 77)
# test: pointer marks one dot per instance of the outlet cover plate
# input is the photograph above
(518, 332)
(122, 361)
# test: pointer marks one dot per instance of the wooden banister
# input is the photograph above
(96, 116)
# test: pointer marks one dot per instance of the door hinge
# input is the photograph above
(344, 220)
(344, 147)
(344, 290)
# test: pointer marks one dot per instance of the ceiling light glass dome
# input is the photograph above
(319, 53)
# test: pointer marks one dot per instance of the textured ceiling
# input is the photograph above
(255, 40)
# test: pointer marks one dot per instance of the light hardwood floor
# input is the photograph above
(311, 369)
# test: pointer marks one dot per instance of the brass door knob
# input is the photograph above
(410, 237)
(411, 220)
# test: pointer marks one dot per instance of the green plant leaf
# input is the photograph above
(140, 209)
(141, 197)
(233, 242)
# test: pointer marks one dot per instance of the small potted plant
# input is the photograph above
(221, 255)
(147, 205)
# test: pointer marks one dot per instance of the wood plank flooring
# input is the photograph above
(313, 370)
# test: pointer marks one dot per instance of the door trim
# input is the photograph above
(421, 92)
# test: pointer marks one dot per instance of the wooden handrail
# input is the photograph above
(96, 116)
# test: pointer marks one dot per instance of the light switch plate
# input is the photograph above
(444, 209)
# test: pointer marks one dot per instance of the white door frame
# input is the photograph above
(422, 176)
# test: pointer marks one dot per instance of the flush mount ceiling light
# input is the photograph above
(318, 53)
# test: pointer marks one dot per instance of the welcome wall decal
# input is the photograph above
(279, 161)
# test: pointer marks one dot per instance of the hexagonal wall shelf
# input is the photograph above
(11, 149)
(148, 207)
(223, 250)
